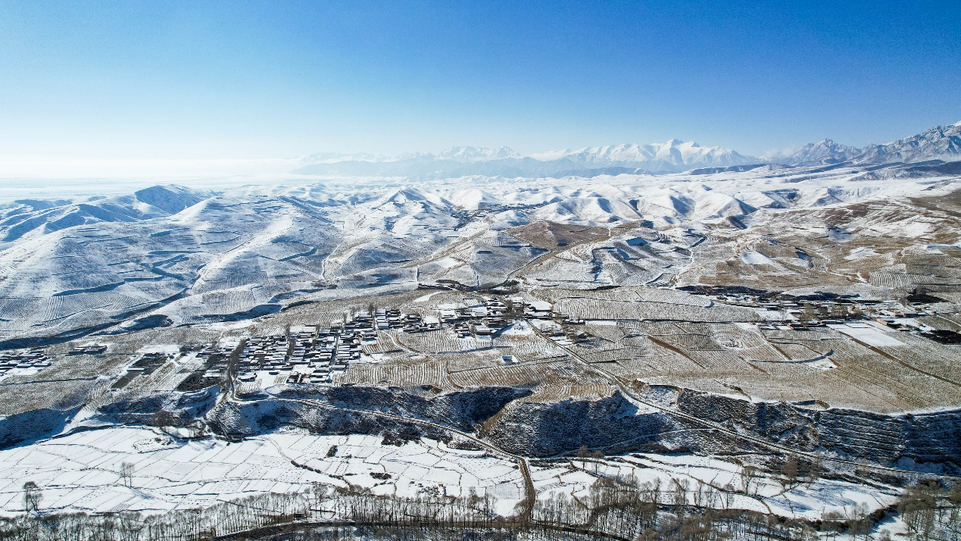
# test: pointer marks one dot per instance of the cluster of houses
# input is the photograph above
(801, 313)
(216, 361)
(487, 316)
(89, 349)
(480, 317)
(30, 359)
(313, 354)
(146, 364)
(565, 334)
(308, 353)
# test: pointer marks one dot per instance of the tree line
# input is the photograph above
(614, 508)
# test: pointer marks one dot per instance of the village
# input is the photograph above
(798, 313)
(312, 354)
(23, 362)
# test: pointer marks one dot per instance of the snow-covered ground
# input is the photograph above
(869, 334)
(82, 471)
(200, 256)
(808, 500)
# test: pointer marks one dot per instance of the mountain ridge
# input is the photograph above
(673, 156)
(936, 143)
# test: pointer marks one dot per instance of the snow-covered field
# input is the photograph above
(82, 471)
(869, 334)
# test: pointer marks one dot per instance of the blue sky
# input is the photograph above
(207, 79)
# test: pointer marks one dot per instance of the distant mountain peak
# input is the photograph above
(330, 157)
(824, 152)
(674, 156)
(936, 143)
(472, 154)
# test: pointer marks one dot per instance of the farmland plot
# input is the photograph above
(817, 340)
(403, 373)
(639, 294)
(440, 341)
(763, 353)
(81, 472)
(668, 361)
(551, 391)
(782, 364)
(629, 364)
(165, 378)
(622, 356)
(590, 307)
(928, 355)
(474, 360)
(528, 373)
(893, 389)
(562, 270)
(792, 352)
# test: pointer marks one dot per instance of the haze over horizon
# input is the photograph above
(105, 89)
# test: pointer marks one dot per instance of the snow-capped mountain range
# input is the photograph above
(826, 152)
(674, 156)
(938, 143)
(670, 157)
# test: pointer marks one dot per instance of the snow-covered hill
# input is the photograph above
(28, 217)
(74, 265)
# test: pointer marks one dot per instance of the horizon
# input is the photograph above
(180, 82)
(235, 171)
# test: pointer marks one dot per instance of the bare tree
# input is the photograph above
(31, 496)
(162, 418)
(791, 470)
(813, 469)
(126, 473)
(679, 497)
(130, 525)
(728, 496)
(858, 521)
(750, 476)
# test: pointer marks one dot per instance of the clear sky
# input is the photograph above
(195, 79)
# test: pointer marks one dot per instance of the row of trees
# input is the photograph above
(615, 508)
(931, 511)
